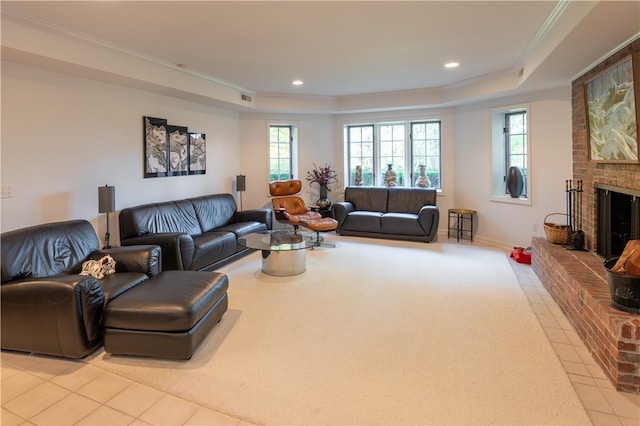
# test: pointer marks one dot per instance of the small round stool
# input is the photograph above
(460, 215)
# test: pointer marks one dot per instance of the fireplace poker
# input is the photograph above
(574, 213)
(578, 235)
(570, 205)
(566, 200)
(580, 203)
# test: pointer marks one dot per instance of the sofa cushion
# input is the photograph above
(240, 229)
(46, 250)
(400, 224)
(114, 285)
(371, 199)
(410, 200)
(170, 301)
(363, 221)
(212, 246)
(214, 211)
(170, 216)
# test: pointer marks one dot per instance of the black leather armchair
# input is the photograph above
(47, 307)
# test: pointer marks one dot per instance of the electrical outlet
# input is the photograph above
(534, 227)
(7, 191)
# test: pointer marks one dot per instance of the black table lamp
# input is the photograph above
(106, 204)
(241, 186)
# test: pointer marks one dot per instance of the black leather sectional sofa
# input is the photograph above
(195, 233)
(49, 307)
(381, 212)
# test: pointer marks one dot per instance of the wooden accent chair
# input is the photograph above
(290, 208)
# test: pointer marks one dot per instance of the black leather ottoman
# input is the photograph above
(166, 316)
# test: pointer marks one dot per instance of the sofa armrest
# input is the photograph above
(138, 258)
(280, 214)
(341, 210)
(177, 248)
(60, 315)
(255, 215)
(429, 218)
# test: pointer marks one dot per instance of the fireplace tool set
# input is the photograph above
(574, 214)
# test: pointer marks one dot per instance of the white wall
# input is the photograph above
(321, 142)
(445, 115)
(317, 144)
(508, 224)
(466, 160)
(64, 136)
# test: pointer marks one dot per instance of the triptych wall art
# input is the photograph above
(172, 150)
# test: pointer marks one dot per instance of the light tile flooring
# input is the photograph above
(40, 390)
(603, 403)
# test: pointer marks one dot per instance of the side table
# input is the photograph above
(460, 215)
(325, 212)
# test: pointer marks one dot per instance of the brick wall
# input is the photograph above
(621, 174)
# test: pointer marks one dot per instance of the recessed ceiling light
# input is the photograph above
(297, 82)
(452, 65)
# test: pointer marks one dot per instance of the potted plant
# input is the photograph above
(324, 177)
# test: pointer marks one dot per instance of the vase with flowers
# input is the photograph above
(324, 177)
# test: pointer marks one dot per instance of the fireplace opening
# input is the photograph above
(617, 219)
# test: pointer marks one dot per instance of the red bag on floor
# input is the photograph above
(519, 255)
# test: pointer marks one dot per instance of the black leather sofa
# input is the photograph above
(395, 213)
(47, 307)
(197, 234)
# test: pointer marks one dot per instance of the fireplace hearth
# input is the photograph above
(617, 218)
(576, 280)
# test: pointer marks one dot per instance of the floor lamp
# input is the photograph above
(241, 186)
(106, 204)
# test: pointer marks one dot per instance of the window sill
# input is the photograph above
(508, 200)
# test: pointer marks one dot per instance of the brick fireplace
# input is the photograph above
(576, 279)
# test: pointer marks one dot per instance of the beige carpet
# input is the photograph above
(374, 332)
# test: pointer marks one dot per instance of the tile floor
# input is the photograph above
(40, 390)
(603, 403)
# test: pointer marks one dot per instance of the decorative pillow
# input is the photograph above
(99, 268)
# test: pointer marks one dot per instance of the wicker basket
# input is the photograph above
(556, 234)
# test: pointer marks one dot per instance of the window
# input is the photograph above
(405, 146)
(515, 137)
(510, 147)
(425, 145)
(392, 150)
(281, 144)
(361, 153)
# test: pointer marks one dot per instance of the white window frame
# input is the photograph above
(379, 168)
(499, 155)
(347, 142)
(293, 147)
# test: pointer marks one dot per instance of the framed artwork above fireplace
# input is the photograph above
(612, 114)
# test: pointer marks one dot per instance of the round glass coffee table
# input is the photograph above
(283, 251)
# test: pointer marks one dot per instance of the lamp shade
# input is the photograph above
(241, 183)
(106, 199)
